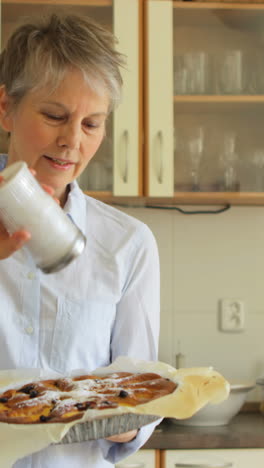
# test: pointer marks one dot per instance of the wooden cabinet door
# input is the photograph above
(140, 459)
(159, 99)
(220, 458)
(127, 118)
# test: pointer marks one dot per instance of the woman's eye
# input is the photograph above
(53, 116)
(91, 125)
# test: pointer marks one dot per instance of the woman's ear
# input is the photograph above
(5, 110)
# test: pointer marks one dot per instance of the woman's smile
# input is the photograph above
(59, 164)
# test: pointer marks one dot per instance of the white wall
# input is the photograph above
(206, 257)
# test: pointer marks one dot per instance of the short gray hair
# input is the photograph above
(41, 50)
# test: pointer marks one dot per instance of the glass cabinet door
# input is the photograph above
(115, 169)
(218, 97)
(217, 93)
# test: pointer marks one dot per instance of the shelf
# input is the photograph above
(224, 103)
(12, 10)
(193, 5)
(216, 99)
(92, 3)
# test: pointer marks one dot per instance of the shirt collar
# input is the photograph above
(75, 206)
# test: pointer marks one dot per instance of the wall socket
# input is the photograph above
(231, 315)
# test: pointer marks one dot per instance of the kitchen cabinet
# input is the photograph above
(204, 102)
(141, 459)
(116, 168)
(220, 458)
(189, 127)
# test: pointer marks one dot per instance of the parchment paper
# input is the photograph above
(196, 387)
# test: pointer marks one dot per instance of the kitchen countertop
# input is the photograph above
(246, 430)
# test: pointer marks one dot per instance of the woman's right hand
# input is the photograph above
(10, 243)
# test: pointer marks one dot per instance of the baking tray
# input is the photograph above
(106, 427)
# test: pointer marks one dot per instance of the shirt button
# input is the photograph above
(31, 275)
(29, 330)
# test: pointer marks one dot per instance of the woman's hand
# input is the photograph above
(125, 437)
(9, 243)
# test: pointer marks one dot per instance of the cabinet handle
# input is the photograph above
(126, 142)
(199, 465)
(160, 171)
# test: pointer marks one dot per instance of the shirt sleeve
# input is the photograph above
(136, 329)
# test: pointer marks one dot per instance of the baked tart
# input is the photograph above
(64, 400)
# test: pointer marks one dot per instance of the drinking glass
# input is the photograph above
(180, 75)
(256, 71)
(190, 72)
(228, 72)
(228, 161)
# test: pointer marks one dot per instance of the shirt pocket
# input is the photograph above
(82, 335)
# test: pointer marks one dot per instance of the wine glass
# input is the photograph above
(258, 162)
(195, 150)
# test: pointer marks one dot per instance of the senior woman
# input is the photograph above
(60, 79)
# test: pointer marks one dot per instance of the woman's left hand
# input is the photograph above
(125, 437)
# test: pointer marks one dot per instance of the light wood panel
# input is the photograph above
(213, 103)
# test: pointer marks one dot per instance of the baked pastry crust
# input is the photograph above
(67, 399)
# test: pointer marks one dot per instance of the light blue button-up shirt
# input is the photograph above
(104, 304)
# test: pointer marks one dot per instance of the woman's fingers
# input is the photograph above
(10, 243)
(125, 437)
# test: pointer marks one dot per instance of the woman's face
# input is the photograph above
(57, 134)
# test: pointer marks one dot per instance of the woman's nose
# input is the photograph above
(70, 137)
